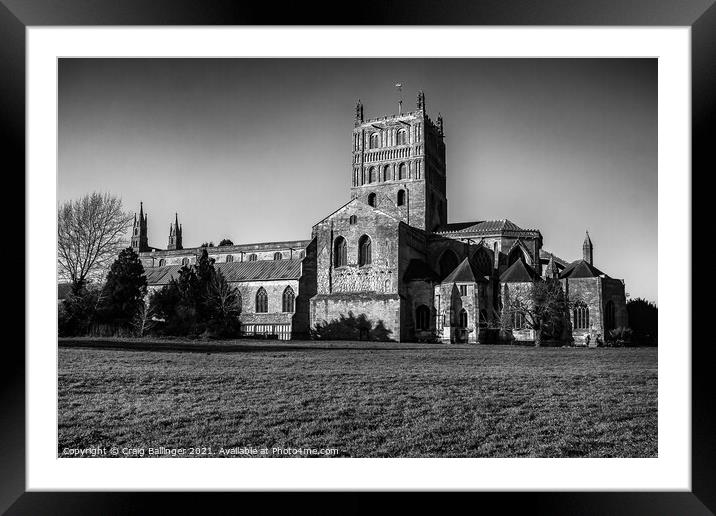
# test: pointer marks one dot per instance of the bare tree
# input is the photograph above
(542, 306)
(90, 233)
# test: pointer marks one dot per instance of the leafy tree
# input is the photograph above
(78, 312)
(643, 320)
(175, 303)
(90, 233)
(223, 306)
(207, 244)
(124, 290)
(225, 241)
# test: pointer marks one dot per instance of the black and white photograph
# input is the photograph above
(357, 257)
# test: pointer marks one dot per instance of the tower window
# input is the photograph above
(373, 175)
(352, 219)
(402, 137)
(371, 199)
(401, 197)
(277, 256)
(261, 301)
(463, 290)
(289, 300)
(374, 141)
(386, 173)
(252, 257)
(340, 252)
(402, 171)
(364, 251)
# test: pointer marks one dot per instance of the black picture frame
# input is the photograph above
(700, 15)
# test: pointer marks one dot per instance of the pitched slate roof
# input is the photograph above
(518, 272)
(419, 270)
(546, 256)
(581, 269)
(485, 227)
(235, 271)
(466, 272)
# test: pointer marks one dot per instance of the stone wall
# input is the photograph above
(589, 292)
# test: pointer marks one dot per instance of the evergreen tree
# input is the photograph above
(125, 288)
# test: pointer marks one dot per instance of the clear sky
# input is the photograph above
(260, 149)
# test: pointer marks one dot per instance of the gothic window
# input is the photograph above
(371, 199)
(518, 320)
(402, 137)
(373, 175)
(374, 141)
(364, 250)
(277, 256)
(185, 261)
(252, 257)
(462, 321)
(386, 173)
(261, 301)
(352, 219)
(402, 171)
(162, 262)
(340, 252)
(401, 197)
(448, 262)
(581, 317)
(422, 317)
(289, 300)
(483, 261)
(609, 316)
(229, 258)
(516, 254)
(463, 290)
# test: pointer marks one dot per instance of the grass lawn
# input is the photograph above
(364, 399)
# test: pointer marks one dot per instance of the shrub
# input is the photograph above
(124, 291)
(350, 328)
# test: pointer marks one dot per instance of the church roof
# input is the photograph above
(419, 270)
(518, 272)
(235, 271)
(546, 256)
(465, 273)
(485, 227)
(581, 269)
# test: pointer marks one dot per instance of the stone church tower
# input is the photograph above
(175, 231)
(140, 243)
(399, 165)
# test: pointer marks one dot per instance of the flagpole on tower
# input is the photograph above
(399, 87)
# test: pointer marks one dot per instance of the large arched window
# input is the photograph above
(371, 199)
(609, 316)
(289, 300)
(516, 254)
(402, 137)
(277, 256)
(422, 317)
(401, 197)
(402, 171)
(373, 175)
(364, 250)
(447, 263)
(162, 262)
(261, 301)
(340, 252)
(374, 141)
(483, 261)
(229, 258)
(581, 317)
(252, 257)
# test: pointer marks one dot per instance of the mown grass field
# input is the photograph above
(365, 399)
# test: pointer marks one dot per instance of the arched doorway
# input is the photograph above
(461, 333)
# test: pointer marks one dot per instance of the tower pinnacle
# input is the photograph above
(588, 250)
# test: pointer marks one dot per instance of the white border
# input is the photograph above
(671, 470)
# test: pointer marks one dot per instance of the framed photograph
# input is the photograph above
(429, 255)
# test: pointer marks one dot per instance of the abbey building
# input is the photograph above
(391, 253)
